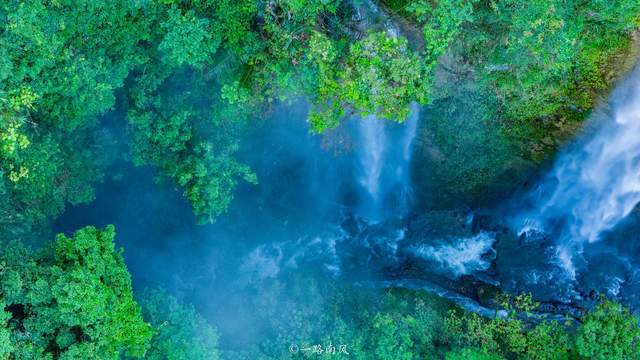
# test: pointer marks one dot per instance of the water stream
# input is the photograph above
(349, 215)
(593, 185)
(384, 152)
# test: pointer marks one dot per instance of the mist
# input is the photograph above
(311, 189)
(580, 212)
(339, 208)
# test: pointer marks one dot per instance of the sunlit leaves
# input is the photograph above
(380, 75)
(609, 332)
(442, 24)
(188, 39)
(74, 299)
(60, 63)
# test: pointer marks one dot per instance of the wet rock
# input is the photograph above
(439, 224)
(351, 226)
(487, 294)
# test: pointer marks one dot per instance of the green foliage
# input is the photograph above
(524, 74)
(608, 332)
(58, 72)
(60, 65)
(174, 133)
(194, 73)
(180, 333)
(540, 47)
(6, 347)
(380, 76)
(70, 301)
(470, 354)
(549, 341)
(442, 24)
(405, 324)
(187, 39)
(469, 151)
(383, 76)
(546, 62)
(208, 70)
(191, 75)
(397, 325)
(392, 337)
(510, 336)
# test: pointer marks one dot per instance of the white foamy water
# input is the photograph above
(564, 258)
(411, 126)
(374, 143)
(269, 260)
(385, 158)
(461, 256)
(594, 186)
(385, 152)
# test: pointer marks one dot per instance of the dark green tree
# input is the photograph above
(610, 331)
(69, 301)
(180, 332)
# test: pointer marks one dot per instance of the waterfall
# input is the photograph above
(375, 12)
(384, 157)
(384, 147)
(403, 169)
(593, 187)
(374, 142)
(410, 133)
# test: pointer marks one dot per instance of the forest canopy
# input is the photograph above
(176, 85)
(188, 75)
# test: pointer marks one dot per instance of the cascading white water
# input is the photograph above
(384, 157)
(460, 256)
(392, 29)
(403, 171)
(593, 187)
(409, 134)
(385, 149)
(374, 142)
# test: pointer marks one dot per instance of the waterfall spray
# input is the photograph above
(593, 187)
(384, 151)
(384, 158)
(374, 142)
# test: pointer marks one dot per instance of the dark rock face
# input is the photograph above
(439, 224)
(511, 263)
(462, 158)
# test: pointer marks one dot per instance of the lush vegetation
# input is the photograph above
(186, 80)
(188, 76)
(69, 301)
(403, 324)
(74, 301)
(524, 73)
(63, 65)
(180, 333)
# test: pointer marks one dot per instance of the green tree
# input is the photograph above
(470, 354)
(60, 64)
(226, 62)
(392, 337)
(6, 347)
(180, 332)
(71, 300)
(610, 331)
(511, 336)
